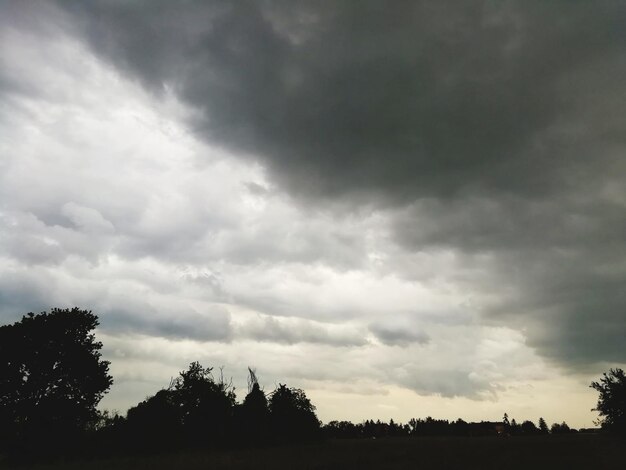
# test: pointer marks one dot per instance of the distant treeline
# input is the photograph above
(440, 427)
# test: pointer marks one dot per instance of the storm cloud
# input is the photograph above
(492, 124)
(415, 100)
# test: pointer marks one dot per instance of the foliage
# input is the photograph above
(543, 426)
(51, 375)
(343, 429)
(292, 414)
(612, 401)
(198, 411)
(529, 428)
(206, 404)
(429, 426)
(254, 412)
(194, 410)
(156, 421)
(562, 428)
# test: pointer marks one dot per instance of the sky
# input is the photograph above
(408, 210)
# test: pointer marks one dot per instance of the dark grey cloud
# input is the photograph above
(398, 335)
(492, 124)
(184, 323)
(350, 97)
(22, 292)
(557, 266)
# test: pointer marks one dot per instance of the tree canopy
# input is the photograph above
(194, 409)
(612, 400)
(292, 413)
(51, 374)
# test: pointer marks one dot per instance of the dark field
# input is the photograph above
(571, 452)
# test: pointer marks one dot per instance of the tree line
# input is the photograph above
(52, 377)
(441, 427)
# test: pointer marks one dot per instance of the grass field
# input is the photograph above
(567, 452)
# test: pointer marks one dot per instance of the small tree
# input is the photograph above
(612, 401)
(51, 376)
(543, 426)
(514, 428)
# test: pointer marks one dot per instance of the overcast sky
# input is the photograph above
(407, 208)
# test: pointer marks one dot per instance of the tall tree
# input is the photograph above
(254, 411)
(612, 401)
(51, 375)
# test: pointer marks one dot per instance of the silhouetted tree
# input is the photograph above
(206, 405)
(528, 428)
(254, 412)
(612, 401)
(543, 427)
(51, 377)
(562, 428)
(292, 414)
(343, 429)
(395, 429)
(156, 422)
(194, 410)
(107, 419)
(461, 428)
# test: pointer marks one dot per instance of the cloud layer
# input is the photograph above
(493, 127)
